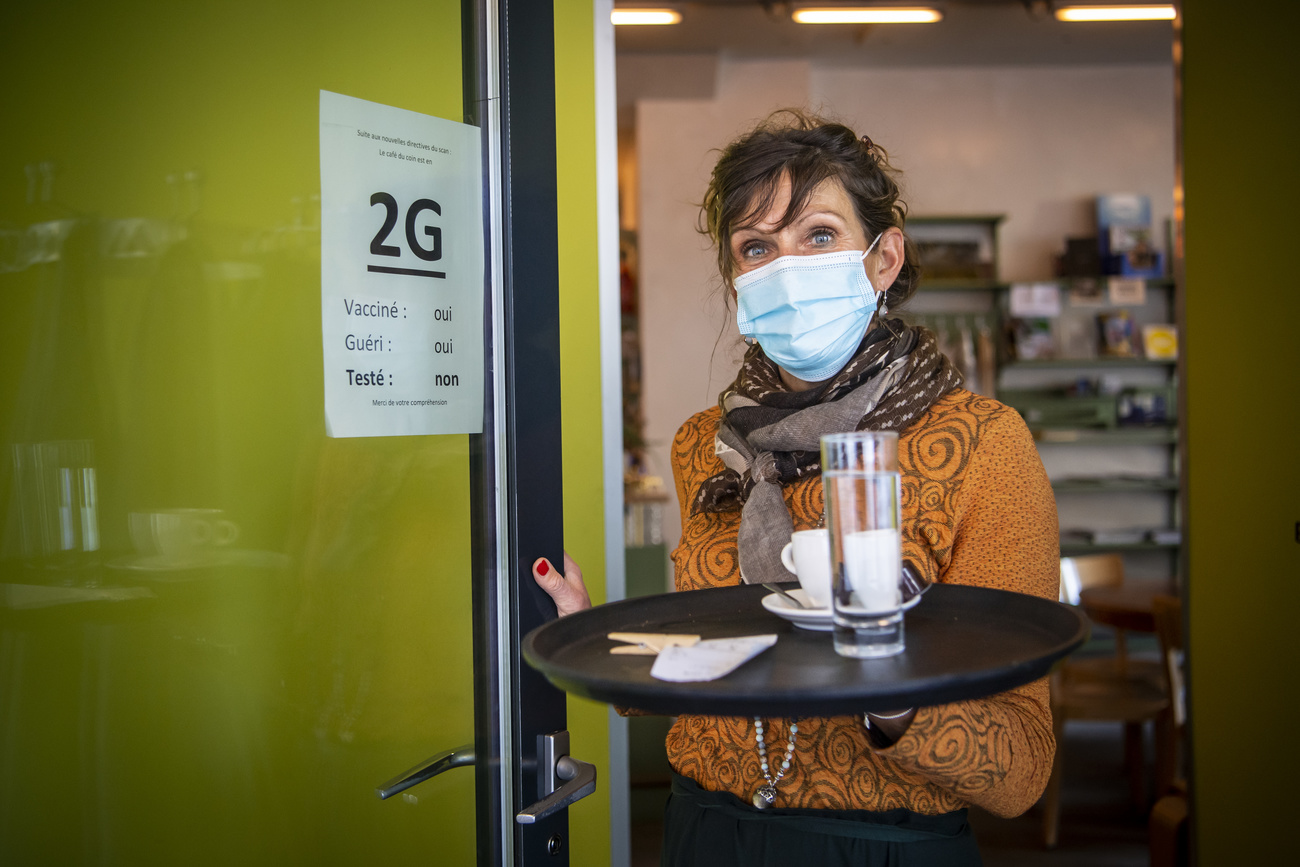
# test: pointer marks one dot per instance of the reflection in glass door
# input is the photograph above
(219, 629)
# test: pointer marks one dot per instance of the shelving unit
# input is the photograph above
(1114, 484)
(1154, 435)
(956, 285)
(1108, 474)
(1076, 549)
(1101, 363)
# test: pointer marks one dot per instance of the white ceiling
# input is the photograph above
(973, 32)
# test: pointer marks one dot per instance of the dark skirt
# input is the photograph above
(717, 829)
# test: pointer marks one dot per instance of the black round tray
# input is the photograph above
(962, 643)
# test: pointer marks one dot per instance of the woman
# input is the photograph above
(809, 228)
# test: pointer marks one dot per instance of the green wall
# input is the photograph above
(584, 514)
(1241, 94)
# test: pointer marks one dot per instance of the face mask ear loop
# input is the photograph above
(881, 308)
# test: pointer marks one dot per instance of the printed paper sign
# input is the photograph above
(1035, 299)
(401, 271)
(1127, 290)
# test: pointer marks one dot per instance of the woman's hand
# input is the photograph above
(565, 589)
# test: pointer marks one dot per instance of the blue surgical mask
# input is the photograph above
(809, 313)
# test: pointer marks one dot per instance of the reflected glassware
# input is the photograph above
(56, 501)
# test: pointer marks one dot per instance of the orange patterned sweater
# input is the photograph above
(977, 509)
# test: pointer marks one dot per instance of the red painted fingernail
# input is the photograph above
(543, 567)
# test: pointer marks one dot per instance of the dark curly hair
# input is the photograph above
(808, 149)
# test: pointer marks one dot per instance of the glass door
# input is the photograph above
(220, 628)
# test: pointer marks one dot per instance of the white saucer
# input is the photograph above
(813, 619)
(162, 568)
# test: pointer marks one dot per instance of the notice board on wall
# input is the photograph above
(401, 271)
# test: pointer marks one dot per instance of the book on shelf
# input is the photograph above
(1087, 292)
(1032, 338)
(642, 523)
(1035, 300)
(1116, 332)
(1119, 536)
(1125, 243)
(1126, 290)
(1160, 341)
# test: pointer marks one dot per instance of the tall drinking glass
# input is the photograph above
(864, 515)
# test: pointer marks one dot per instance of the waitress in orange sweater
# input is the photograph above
(808, 224)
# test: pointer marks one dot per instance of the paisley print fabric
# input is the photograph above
(977, 509)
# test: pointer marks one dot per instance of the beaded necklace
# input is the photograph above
(766, 793)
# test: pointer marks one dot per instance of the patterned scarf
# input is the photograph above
(770, 437)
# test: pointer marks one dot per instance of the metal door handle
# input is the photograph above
(556, 765)
(427, 769)
(581, 777)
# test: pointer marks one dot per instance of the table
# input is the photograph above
(1125, 606)
(962, 643)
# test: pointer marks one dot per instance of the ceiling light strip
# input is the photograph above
(1116, 13)
(622, 17)
(868, 15)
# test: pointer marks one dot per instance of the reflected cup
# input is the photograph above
(181, 535)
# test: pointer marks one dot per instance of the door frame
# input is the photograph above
(617, 775)
(516, 476)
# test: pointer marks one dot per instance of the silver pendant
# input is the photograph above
(765, 796)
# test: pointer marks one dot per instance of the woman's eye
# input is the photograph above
(822, 237)
(751, 251)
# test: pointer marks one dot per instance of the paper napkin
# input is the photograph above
(708, 660)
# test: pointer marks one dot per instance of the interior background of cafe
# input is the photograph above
(1240, 517)
(999, 111)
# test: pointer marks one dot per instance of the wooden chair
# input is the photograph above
(1170, 831)
(1168, 612)
(1101, 686)
(1168, 826)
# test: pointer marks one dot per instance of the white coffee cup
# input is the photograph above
(808, 556)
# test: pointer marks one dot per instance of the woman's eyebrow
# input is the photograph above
(821, 212)
(757, 232)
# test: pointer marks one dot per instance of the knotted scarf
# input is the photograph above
(770, 437)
